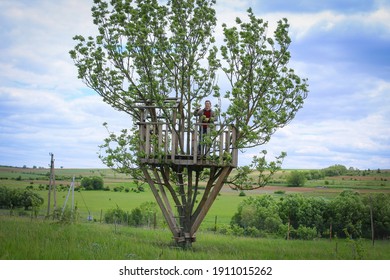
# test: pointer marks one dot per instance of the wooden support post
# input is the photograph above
(168, 216)
(188, 210)
(210, 199)
(163, 193)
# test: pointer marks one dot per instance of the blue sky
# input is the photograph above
(341, 46)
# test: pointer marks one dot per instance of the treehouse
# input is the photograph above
(176, 154)
(173, 143)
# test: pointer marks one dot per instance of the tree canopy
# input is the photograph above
(149, 51)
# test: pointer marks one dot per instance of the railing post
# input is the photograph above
(174, 143)
(221, 147)
(147, 140)
(195, 144)
(234, 148)
(166, 144)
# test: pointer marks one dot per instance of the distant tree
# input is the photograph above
(260, 213)
(4, 196)
(380, 204)
(149, 211)
(15, 198)
(335, 170)
(86, 183)
(314, 174)
(29, 199)
(290, 209)
(314, 214)
(116, 216)
(296, 179)
(348, 214)
(136, 217)
(92, 183)
(305, 233)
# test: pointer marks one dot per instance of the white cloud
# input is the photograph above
(361, 141)
(303, 24)
(348, 142)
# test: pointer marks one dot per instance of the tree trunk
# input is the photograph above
(185, 220)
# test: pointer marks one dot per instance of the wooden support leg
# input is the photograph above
(210, 199)
(168, 215)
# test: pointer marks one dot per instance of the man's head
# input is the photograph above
(207, 105)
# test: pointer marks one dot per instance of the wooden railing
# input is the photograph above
(203, 145)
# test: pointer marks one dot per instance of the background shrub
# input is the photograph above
(296, 179)
(92, 183)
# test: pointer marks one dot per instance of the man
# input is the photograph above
(206, 116)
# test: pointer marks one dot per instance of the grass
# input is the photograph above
(25, 239)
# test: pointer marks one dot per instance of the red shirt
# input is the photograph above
(207, 114)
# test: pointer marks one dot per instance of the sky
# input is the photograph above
(341, 46)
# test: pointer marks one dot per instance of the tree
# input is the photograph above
(260, 212)
(14, 198)
(296, 179)
(380, 205)
(335, 170)
(5, 195)
(92, 183)
(29, 199)
(348, 214)
(157, 62)
(244, 180)
(290, 209)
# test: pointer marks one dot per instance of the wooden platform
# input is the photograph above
(189, 160)
(161, 144)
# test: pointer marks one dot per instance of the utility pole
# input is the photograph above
(71, 190)
(51, 185)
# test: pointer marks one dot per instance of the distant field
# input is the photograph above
(95, 203)
(371, 180)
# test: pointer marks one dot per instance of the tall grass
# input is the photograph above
(25, 239)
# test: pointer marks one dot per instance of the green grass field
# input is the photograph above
(25, 238)
(47, 240)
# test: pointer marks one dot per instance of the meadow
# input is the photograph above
(38, 238)
(23, 239)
